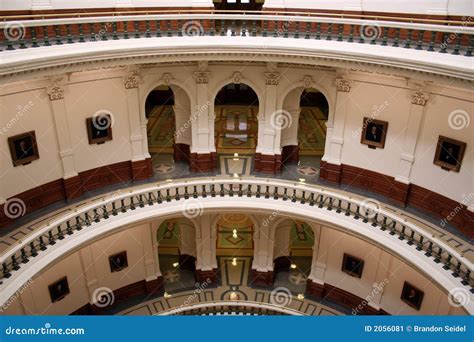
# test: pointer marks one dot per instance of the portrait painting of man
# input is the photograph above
(449, 153)
(374, 133)
(23, 148)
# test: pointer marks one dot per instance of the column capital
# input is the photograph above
(55, 89)
(272, 77)
(131, 81)
(202, 77)
(419, 98)
(343, 85)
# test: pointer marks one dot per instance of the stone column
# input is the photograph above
(153, 278)
(315, 282)
(89, 272)
(72, 182)
(400, 190)
(141, 167)
(261, 275)
(202, 158)
(268, 154)
(289, 138)
(331, 167)
(205, 263)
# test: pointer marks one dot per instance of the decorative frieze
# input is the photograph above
(343, 85)
(55, 92)
(131, 81)
(272, 78)
(202, 77)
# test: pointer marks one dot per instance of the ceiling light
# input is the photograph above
(300, 296)
(234, 261)
(175, 264)
(166, 295)
(293, 266)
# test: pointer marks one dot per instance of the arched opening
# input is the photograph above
(236, 127)
(177, 253)
(303, 144)
(292, 255)
(167, 109)
(234, 248)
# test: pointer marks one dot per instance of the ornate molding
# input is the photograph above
(419, 98)
(237, 77)
(343, 85)
(131, 81)
(55, 92)
(167, 77)
(307, 81)
(272, 78)
(202, 77)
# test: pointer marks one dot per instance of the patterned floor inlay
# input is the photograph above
(307, 170)
(163, 168)
(230, 165)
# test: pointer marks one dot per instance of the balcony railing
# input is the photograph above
(86, 215)
(457, 39)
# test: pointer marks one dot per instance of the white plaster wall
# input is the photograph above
(22, 112)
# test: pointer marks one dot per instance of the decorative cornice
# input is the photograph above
(272, 78)
(343, 85)
(419, 98)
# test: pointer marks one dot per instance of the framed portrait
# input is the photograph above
(352, 265)
(59, 290)
(23, 148)
(374, 133)
(118, 261)
(99, 129)
(412, 296)
(449, 154)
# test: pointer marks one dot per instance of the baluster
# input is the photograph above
(275, 193)
(321, 201)
(58, 35)
(375, 220)
(447, 264)
(103, 32)
(457, 46)
(432, 41)
(285, 194)
(383, 227)
(429, 251)
(469, 48)
(419, 44)
(267, 191)
(114, 31)
(22, 41)
(176, 194)
(221, 192)
(466, 278)
(286, 29)
(397, 37)
(293, 196)
(69, 228)
(147, 29)
(258, 192)
(92, 32)
(232, 28)
(87, 218)
(393, 231)
(408, 40)
(330, 206)
(78, 225)
(51, 240)
(311, 199)
(254, 28)
(329, 34)
(265, 28)
(357, 213)
(385, 36)
(42, 245)
(24, 257)
(137, 29)
(6, 272)
(123, 208)
(213, 190)
(15, 265)
(437, 258)
(150, 198)
(444, 43)
(9, 44)
(212, 30)
(249, 190)
(168, 196)
(303, 197)
(141, 202)
(318, 31)
(132, 203)
(125, 30)
(203, 191)
(159, 199)
(244, 28)
(96, 216)
(351, 34)
(34, 40)
(81, 34)
(419, 245)
(158, 28)
(411, 238)
(457, 270)
(231, 190)
(60, 233)
(297, 32)
(69, 35)
(402, 233)
(348, 209)
(275, 29)
(180, 28)
(223, 31)
(308, 30)
(33, 249)
(239, 192)
(45, 37)
(186, 194)
(340, 29)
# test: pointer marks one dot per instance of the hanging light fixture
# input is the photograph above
(234, 233)
(236, 156)
(234, 261)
